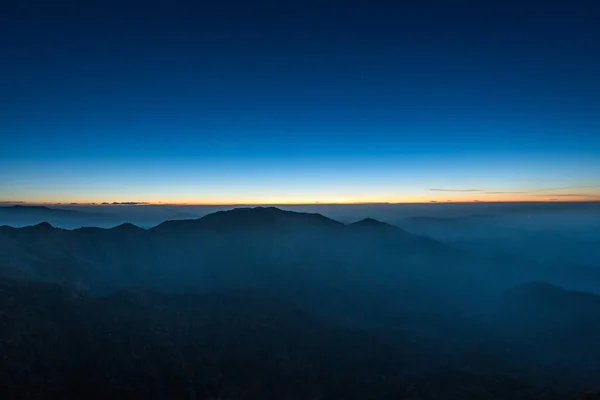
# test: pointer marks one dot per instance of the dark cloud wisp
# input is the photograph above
(455, 190)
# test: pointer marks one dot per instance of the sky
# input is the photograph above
(299, 102)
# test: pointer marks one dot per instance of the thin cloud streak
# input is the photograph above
(456, 190)
(524, 191)
(508, 192)
(566, 188)
(569, 195)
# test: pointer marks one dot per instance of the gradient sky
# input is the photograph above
(299, 101)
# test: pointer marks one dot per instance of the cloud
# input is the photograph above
(12, 202)
(566, 188)
(456, 190)
(594, 196)
(487, 191)
(105, 203)
(129, 203)
(503, 192)
(432, 201)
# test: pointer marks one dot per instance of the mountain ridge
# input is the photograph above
(239, 239)
(248, 217)
(226, 217)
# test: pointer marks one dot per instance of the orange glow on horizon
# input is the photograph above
(439, 198)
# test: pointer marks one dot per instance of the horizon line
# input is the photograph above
(142, 204)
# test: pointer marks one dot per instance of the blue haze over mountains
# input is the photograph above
(261, 302)
(114, 115)
(566, 232)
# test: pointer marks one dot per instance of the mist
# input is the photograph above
(470, 300)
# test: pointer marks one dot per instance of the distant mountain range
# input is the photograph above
(260, 246)
(35, 211)
(19, 215)
(548, 238)
(224, 246)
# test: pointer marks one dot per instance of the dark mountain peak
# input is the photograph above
(267, 216)
(253, 217)
(242, 211)
(127, 227)
(370, 222)
(43, 225)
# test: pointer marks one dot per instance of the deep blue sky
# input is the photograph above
(299, 101)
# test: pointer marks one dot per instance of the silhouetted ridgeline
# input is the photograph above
(19, 215)
(271, 304)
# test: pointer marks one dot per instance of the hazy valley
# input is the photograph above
(262, 302)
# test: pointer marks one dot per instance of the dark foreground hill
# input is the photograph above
(56, 342)
(262, 303)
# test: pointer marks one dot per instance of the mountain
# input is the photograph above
(252, 247)
(57, 342)
(40, 210)
(555, 304)
(251, 219)
(19, 211)
(246, 245)
(327, 264)
(565, 238)
(265, 303)
(373, 224)
(19, 215)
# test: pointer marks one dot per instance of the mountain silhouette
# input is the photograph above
(372, 223)
(251, 218)
(260, 298)
(127, 227)
(20, 215)
(244, 247)
(32, 209)
(256, 246)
